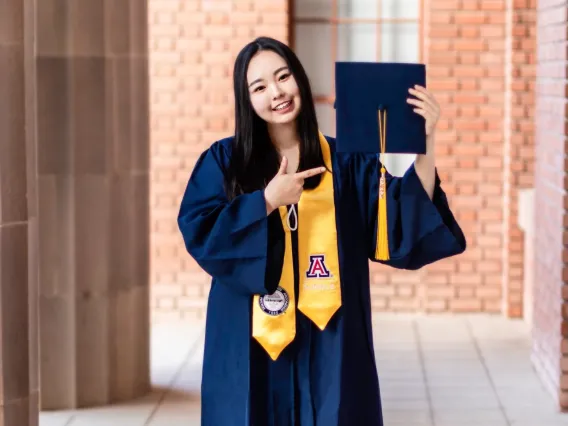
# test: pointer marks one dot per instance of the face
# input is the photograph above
(274, 94)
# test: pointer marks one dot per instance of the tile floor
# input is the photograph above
(419, 359)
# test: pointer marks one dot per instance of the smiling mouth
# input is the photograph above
(282, 106)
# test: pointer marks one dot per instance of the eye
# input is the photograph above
(258, 88)
(284, 76)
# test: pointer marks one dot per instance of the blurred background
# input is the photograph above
(104, 109)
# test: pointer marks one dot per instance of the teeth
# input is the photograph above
(282, 106)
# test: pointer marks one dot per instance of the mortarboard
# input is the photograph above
(371, 101)
(373, 116)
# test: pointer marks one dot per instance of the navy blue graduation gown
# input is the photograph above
(324, 378)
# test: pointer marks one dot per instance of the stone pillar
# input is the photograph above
(93, 186)
(32, 200)
(18, 388)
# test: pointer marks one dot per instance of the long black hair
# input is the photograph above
(254, 159)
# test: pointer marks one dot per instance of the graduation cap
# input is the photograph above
(373, 116)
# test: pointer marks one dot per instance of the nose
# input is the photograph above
(276, 91)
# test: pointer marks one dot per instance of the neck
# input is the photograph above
(283, 136)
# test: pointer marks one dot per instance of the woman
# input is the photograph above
(285, 225)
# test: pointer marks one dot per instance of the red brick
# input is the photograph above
(466, 150)
(469, 31)
(492, 5)
(470, 18)
(468, 84)
(443, 31)
(468, 71)
(380, 304)
(469, 58)
(470, 5)
(493, 31)
(486, 292)
(192, 314)
(444, 58)
(475, 99)
(436, 305)
(217, 18)
(491, 306)
(497, 18)
(280, 6)
(441, 17)
(274, 18)
(383, 290)
(449, 5)
(465, 305)
(443, 84)
(243, 18)
(403, 304)
(470, 45)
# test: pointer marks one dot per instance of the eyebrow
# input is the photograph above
(274, 73)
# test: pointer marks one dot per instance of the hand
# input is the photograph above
(425, 164)
(427, 107)
(285, 189)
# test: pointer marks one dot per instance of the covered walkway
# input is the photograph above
(419, 359)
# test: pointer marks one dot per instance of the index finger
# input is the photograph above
(421, 93)
(311, 172)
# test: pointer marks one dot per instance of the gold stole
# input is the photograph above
(274, 316)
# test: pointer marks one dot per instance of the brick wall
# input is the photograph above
(193, 45)
(550, 343)
(476, 71)
(465, 53)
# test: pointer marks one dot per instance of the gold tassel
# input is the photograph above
(382, 246)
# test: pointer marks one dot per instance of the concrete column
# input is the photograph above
(18, 349)
(93, 181)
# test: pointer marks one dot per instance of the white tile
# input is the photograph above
(459, 416)
(123, 414)
(55, 418)
(470, 404)
(473, 423)
(405, 404)
(437, 364)
(182, 412)
(406, 416)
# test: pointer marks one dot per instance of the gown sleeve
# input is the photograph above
(235, 241)
(420, 230)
